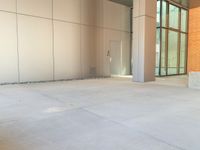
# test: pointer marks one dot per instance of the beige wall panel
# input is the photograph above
(8, 5)
(99, 47)
(67, 50)
(99, 19)
(35, 49)
(42, 8)
(88, 12)
(112, 15)
(88, 58)
(8, 48)
(68, 10)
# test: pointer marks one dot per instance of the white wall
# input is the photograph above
(45, 40)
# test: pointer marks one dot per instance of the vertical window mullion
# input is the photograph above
(186, 60)
(160, 61)
(179, 43)
(166, 42)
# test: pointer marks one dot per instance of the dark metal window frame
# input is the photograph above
(167, 29)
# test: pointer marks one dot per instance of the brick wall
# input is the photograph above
(194, 40)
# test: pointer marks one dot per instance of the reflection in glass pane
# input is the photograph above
(163, 55)
(157, 51)
(183, 54)
(173, 16)
(172, 53)
(164, 13)
(183, 20)
(158, 14)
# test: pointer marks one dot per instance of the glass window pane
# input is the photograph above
(163, 53)
(183, 20)
(183, 49)
(172, 52)
(173, 16)
(157, 51)
(170, 60)
(164, 13)
(158, 14)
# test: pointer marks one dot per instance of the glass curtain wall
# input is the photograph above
(171, 43)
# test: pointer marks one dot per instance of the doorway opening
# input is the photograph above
(115, 58)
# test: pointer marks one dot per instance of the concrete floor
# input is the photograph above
(100, 114)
